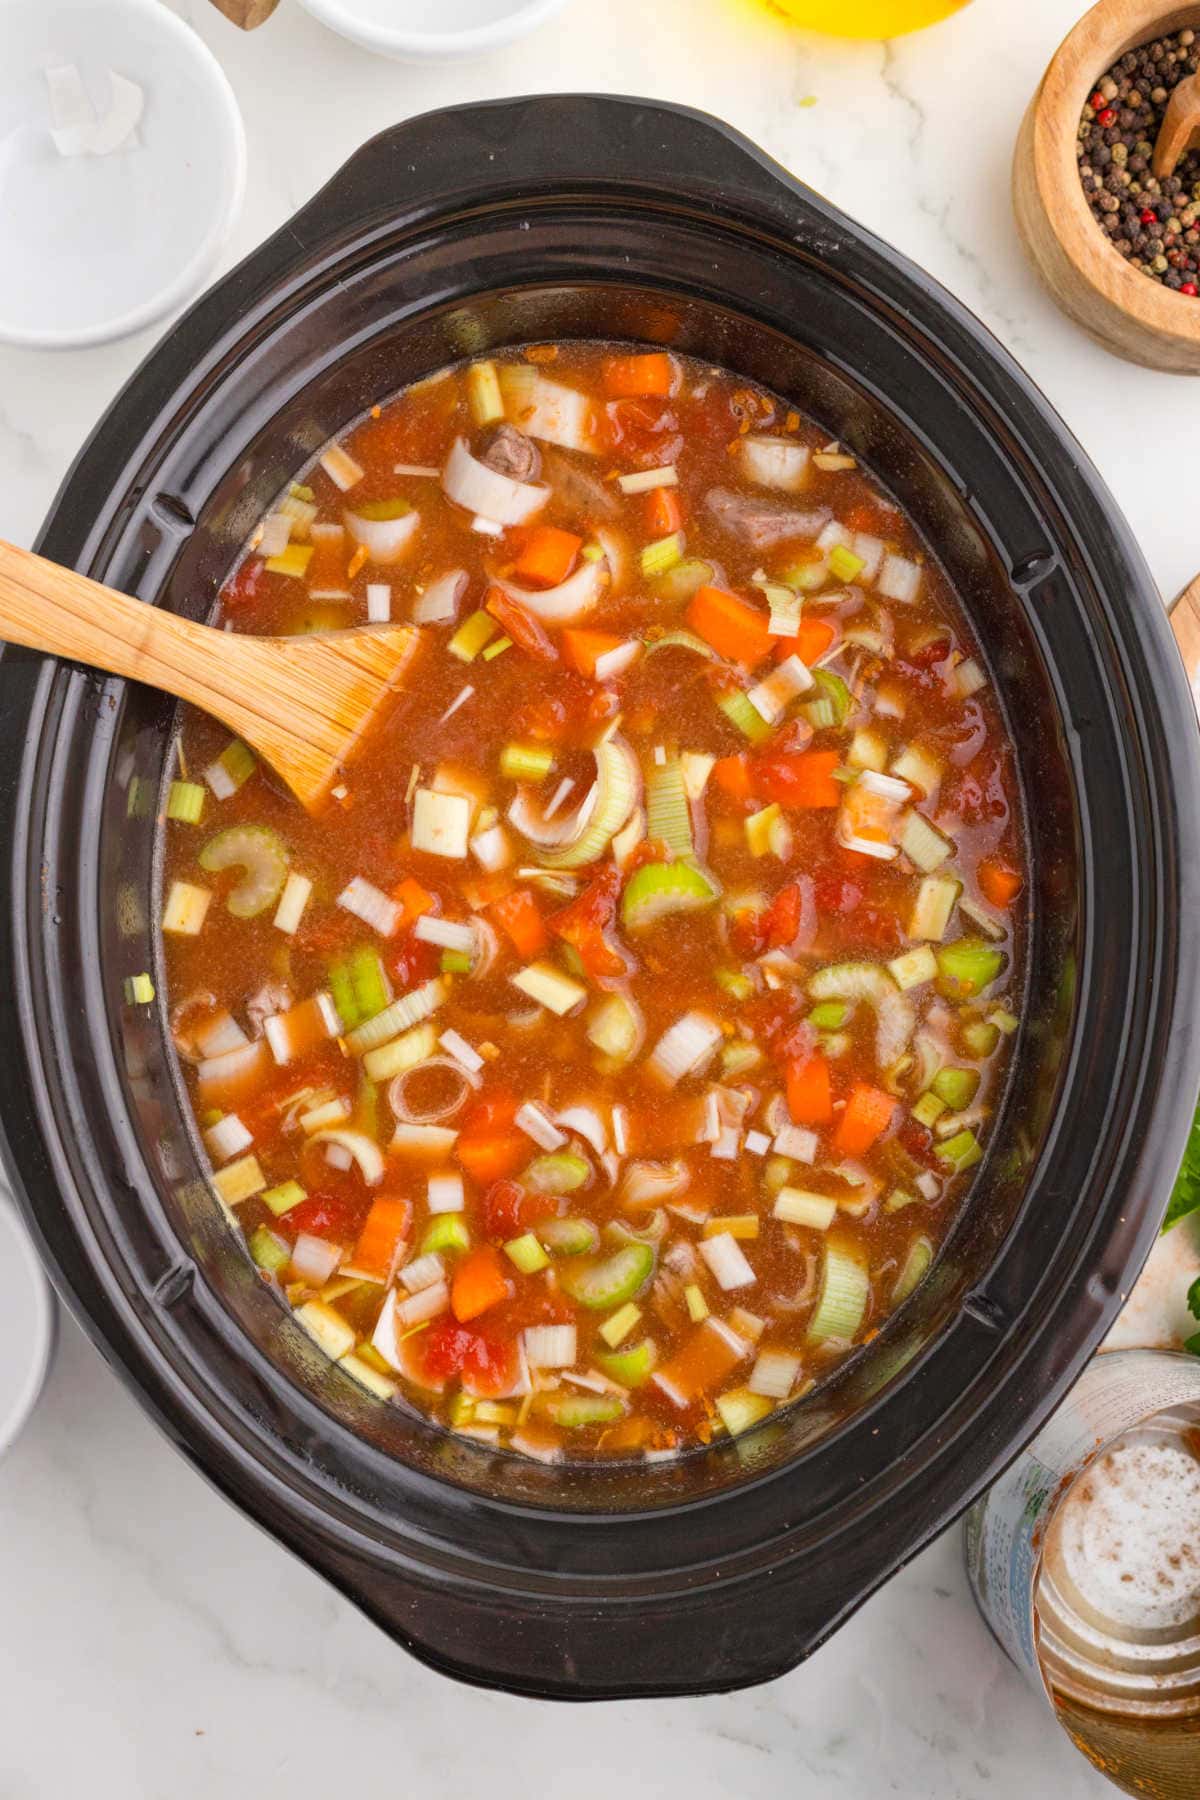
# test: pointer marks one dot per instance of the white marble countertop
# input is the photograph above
(153, 1644)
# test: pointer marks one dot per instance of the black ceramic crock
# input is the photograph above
(455, 233)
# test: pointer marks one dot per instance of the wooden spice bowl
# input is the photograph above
(1123, 309)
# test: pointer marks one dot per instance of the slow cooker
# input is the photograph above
(560, 217)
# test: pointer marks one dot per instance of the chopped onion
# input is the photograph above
(775, 462)
(757, 1143)
(725, 1259)
(423, 1272)
(219, 1036)
(364, 1150)
(379, 602)
(899, 579)
(461, 1051)
(338, 1157)
(445, 1193)
(274, 535)
(297, 891)
(572, 600)
(611, 663)
(550, 1346)
(441, 600)
(486, 493)
(314, 1259)
(646, 480)
(371, 905)
(461, 1084)
(227, 1138)
(492, 849)
(727, 1144)
(774, 1374)
(685, 1047)
(341, 468)
(460, 699)
(426, 1304)
(486, 527)
(796, 1142)
(537, 1125)
(648, 1184)
(928, 1185)
(423, 1140)
(535, 822)
(586, 1123)
(547, 409)
(620, 1130)
(447, 933)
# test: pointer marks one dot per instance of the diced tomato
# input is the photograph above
(809, 1096)
(413, 962)
(415, 899)
(802, 780)
(935, 651)
(489, 1146)
(732, 776)
(868, 1113)
(247, 587)
(583, 923)
(526, 632)
(487, 1362)
(338, 1217)
(519, 916)
(507, 1211)
(782, 918)
(837, 894)
(998, 882)
(978, 794)
(664, 513)
(647, 434)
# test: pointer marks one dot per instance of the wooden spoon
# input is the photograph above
(304, 703)
(1180, 130)
(246, 13)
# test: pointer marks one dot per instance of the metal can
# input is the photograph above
(1084, 1559)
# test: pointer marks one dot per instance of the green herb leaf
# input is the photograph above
(1185, 1196)
(1194, 1298)
(1193, 1344)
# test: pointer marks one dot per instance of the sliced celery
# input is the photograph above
(611, 1280)
(662, 556)
(260, 853)
(526, 1254)
(472, 635)
(185, 802)
(447, 1231)
(738, 710)
(962, 1151)
(558, 1172)
(269, 1252)
(929, 1109)
(576, 1410)
(139, 990)
(957, 1087)
(630, 1367)
(569, 1237)
(616, 1027)
(967, 966)
(916, 1267)
(658, 889)
(526, 762)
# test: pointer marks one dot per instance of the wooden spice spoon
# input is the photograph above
(304, 703)
(1180, 129)
(246, 13)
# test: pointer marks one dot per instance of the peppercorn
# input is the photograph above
(1154, 225)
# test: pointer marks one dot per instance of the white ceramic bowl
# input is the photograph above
(433, 30)
(26, 1325)
(94, 247)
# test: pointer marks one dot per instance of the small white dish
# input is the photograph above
(433, 30)
(93, 247)
(26, 1325)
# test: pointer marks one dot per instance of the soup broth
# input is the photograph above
(611, 1056)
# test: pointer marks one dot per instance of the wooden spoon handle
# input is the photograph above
(1180, 130)
(49, 608)
(246, 13)
(1184, 613)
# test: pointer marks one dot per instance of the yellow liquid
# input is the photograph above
(866, 18)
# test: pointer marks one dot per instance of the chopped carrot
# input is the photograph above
(415, 900)
(547, 556)
(494, 1157)
(583, 649)
(479, 1283)
(732, 776)
(357, 563)
(517, 914)
(809, 1099)
(732, 628)
(868, 1114)
(999, 883)
(630, 377)
(380, 1242)
(664, 514)
(810, 642)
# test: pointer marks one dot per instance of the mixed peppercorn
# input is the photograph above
(1155, 224)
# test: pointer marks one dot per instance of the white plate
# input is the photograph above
(433, 30)
(26, 1325)
(94, 247)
